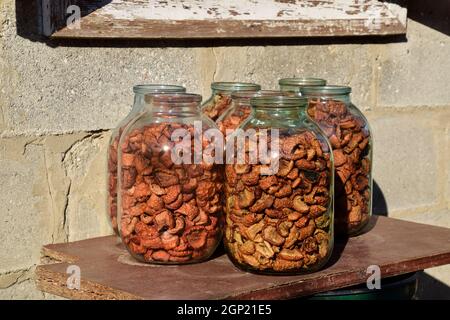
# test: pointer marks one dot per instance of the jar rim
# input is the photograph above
(302, 81)
(235, 86)
(176, 98)
(278, 102)
(326, 90)
(158, 88)
(248, 94)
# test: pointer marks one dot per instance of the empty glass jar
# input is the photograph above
(349, 134)
(280, 220)
(170, 200)
(139, 92)
(221, 97)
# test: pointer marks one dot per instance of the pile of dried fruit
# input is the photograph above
(169, 213)
(350, 140)
(234, 118)
(218, 104)
(281, 222)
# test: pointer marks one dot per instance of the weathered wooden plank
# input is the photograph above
(159, 19)
(108, 272)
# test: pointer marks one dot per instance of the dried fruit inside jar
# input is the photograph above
(139, 91)
(170, 212)
(350, 138)
(240, 108)
(220, 99)
(281, 222)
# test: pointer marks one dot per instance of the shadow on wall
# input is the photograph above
(434, 14)
(379, 204)
(28, 22)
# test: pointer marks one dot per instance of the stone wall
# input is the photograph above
(59, 101)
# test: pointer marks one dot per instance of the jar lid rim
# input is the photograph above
(157, 88)
(312, 81)
(328, 89)
(234, 86)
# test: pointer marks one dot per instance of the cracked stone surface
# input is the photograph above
(25, 215)
(24, 290)
(84, 165)
(11, 278)
(52, 190)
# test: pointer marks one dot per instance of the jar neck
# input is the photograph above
(345, 98)
(227, 88)
(242, 98)
(174, 111)
(241, 102)
(290, 88)
(222, 92)
(295, 84)
(279, 114)
(147, 89)
(139, 101)
(169, 106)
(330, 92)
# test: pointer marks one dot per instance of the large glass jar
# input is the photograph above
(220, 99)
(281, 220)
(139, 92)
(295, 84)
(349, 134)
(240, 108)
(170, 199)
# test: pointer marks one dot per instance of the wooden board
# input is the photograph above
(159, 19)
(107, 271)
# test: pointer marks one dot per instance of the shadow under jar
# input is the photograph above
(170, 208)
(220, 99)
(349, 134)
(295, 84)
(280, 221)
(138, 107)
(240, 108)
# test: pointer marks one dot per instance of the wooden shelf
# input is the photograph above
(159, 19)
(107, 271)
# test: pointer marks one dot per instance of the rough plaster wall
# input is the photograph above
(58, 104)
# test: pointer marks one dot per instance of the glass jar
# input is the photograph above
(139, 92)
(280, 221)
(295, 84)
(220, 99)
(170, 211)
(240, 108)
(349, 134)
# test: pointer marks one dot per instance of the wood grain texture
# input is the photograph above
(108, 272)
(171, 19)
